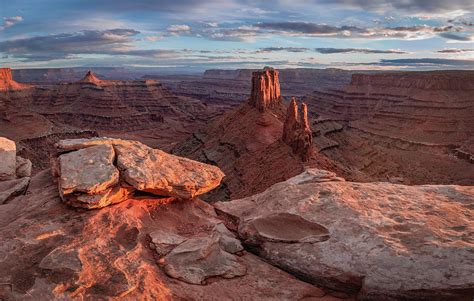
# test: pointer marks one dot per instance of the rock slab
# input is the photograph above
(380, 240)
(93, 169)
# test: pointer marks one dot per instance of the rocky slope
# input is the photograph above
(382, 241)
(146, 247)
(248, 145)
(382, 122)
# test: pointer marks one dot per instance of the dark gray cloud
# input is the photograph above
(455, 50)
(415, 6)
(307, 28)
(69, 45)
(346, 31)
(426, 62)
(174, 6)
(456, 37)
(286, 49)
(356, 50)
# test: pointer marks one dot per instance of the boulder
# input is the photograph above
(12, 188)
(90, 170)
(380, 240)
(160, 173)
(152, 170)
(200, 258)
(23, 167)
(7, 159)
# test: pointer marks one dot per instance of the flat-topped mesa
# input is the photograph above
(90, 78)
(6, 80)
(265, 89)
(296, 131)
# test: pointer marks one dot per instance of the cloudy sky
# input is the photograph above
(351, 34)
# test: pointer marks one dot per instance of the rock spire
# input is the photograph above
(296, 131)
(265, 89)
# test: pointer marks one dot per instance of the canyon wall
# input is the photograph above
(387, 120)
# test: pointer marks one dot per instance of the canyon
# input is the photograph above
(293, 184)
(409, 127)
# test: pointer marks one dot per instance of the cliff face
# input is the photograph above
(435, 80)
(387, 120)
(265, 89)
(297, 132)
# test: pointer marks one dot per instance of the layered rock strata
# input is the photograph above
(265, 89)
(296, 130)
(98, 172)
(381, 240)
(415, 126)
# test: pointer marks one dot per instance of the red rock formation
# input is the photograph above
(265, 89)
(6, 80)
(247, 143)
(296, 130)
(90, 78)
(381, 124)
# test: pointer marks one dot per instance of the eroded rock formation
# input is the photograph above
(6, 81)
(98, 172)
(382, 240)
(15, 171)
(296, 130)
(90, 78)
(247, 143)
(265, 89)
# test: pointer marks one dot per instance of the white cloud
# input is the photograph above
(10, 21)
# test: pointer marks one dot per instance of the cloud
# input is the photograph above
(349, 31)
(356, 50)
(10, 21)
(457, 37)
(287, 49)
(455, 50)
(69, 45)
(428, 62)
(307, 28)
(414, 6)
(176, 29)
(172, 6)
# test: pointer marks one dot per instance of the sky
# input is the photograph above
(231, 34)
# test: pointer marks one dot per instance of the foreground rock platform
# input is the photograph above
(383, 241)
(50, 251)
(98, 172)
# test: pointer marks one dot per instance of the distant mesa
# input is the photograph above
(296, 131)
(6, 81)
(265, 89)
